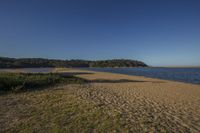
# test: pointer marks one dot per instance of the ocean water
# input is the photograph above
(188, 75)
(38, 70)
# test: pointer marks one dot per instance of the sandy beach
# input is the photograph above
(154, 103)
(141, 104)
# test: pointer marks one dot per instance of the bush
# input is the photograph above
(24, 81)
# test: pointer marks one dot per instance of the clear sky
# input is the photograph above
(158, 32)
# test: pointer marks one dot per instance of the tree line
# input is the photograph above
(6, 62)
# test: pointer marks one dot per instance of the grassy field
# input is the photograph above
(17, 82)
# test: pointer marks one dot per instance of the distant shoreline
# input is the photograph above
(6, 62)
(176, 67)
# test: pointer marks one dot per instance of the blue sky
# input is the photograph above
(158, 32)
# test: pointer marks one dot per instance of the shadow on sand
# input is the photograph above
(114, 81)
(74, 73)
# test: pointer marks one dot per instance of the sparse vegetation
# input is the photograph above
(28, 81)
(55, 111)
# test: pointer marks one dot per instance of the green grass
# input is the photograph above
(17, 82)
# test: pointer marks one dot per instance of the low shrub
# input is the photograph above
(23, 81)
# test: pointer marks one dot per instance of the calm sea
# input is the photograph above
(188, 75)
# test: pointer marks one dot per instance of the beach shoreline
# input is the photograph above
(114, 75)
(117, 102)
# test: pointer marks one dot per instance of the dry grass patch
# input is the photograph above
(55, 110)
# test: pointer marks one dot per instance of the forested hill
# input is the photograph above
(40, 62)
